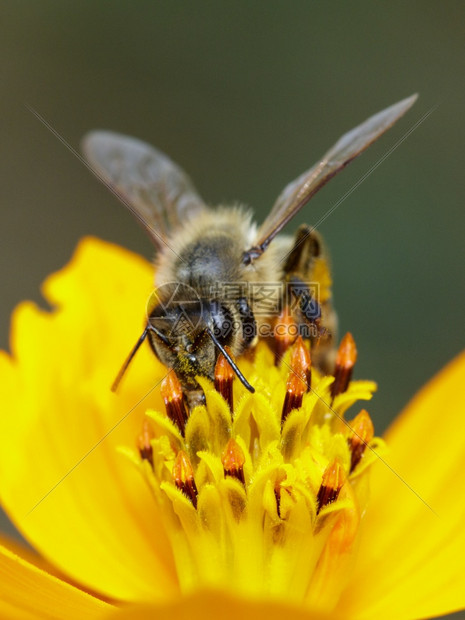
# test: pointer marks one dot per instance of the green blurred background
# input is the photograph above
(245, 96)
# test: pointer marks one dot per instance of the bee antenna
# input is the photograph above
(158, 333)
(128, 360)
(240, 376)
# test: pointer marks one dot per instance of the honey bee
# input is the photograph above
(220, 280)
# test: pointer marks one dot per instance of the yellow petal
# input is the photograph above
(212, 604)
(63, 483)
(27, 592)
(411, 559)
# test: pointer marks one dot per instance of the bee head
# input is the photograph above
(188, 333)
(181, 334)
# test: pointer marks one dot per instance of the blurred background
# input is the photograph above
(245, 96)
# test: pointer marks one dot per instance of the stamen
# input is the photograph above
(345, 362)
(331, 484)
(298, 381)
(362, 432)
(233, 460)
(301, 362)
(173, 398)
(278, 489)
(277, 494)
(224, 376)
(144, 442)
(285, 333)
(295, 389)
(183, 475)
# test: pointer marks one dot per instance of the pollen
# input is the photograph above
(261, 492)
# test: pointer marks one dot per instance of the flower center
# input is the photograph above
(263, 493)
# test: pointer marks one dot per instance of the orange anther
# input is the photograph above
(173, 398)
(144, 440)
(360, 434)
(345, 362)
(331, 483)
(224, 376)
(301, 362)
(233, 460)
(285, 333)
(183, 476)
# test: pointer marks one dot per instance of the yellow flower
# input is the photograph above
(261, 514)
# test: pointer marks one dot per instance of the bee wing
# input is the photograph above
(157, 192)
(347, 148)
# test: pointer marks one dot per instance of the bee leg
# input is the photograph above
(307, 246)
(300, 298)
(297, 269)
(317, 322)
(249, 325)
